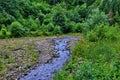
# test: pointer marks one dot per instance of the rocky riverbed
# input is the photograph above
(46, 56)
(62, 55)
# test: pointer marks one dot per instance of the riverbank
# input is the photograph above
(98, 60)
(62, 55)
(19, 56)
(24, 55)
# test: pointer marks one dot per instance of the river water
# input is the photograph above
(48, 70)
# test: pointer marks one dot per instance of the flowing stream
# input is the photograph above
(48, 70)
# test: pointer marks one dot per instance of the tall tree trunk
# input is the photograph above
(111, 16)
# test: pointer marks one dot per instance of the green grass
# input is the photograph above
(98, 60)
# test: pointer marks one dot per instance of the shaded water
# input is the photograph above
(47, 71)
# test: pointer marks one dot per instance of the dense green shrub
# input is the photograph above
(16, 29)
(68, 27)
(4, 33)
(78, 14)
(92, 36)
(48, 19)
(59, 19)
(103, 32)
(57, 30)
(79, 27)
(50, 27)
(5, 19)
(41, 18)
(32, 25)
(117, 18)
(73, 15)
(95, 18)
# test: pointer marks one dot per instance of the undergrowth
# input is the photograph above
(97, 59)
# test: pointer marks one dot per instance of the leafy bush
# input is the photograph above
(4, 33)
(31, 25)
(57, 30)
(16, 29)
(68, 27)
(92, 36)
(5, 19)
(59, 19)
(41, 18)
(50, 27)
(79, 27)
(95, 18)
(77, 14)
(73, 15)
(103, 32)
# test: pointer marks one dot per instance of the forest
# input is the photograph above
(97, 54)
(38, 17)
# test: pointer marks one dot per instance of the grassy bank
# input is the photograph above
(99, 60)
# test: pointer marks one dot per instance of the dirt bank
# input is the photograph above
(26, 54)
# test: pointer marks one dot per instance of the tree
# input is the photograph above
(110, 7)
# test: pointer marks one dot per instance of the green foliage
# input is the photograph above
(16, 29)
(73, 15)
(57, 30)
(44, 8)
(32, 14)
(73, 3)
(103, 32)
(53, 2)
(41, 18)
(77, 14)
(99, 54)
(32, 25)
(5, 19)
(4, 33)
(36, 33)
(95, 18)
(91, 71)
(106, 6)
(93, 61)
(50, 27)
(69, 27)
(101, 57)
(59, 19)
(79, 27)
